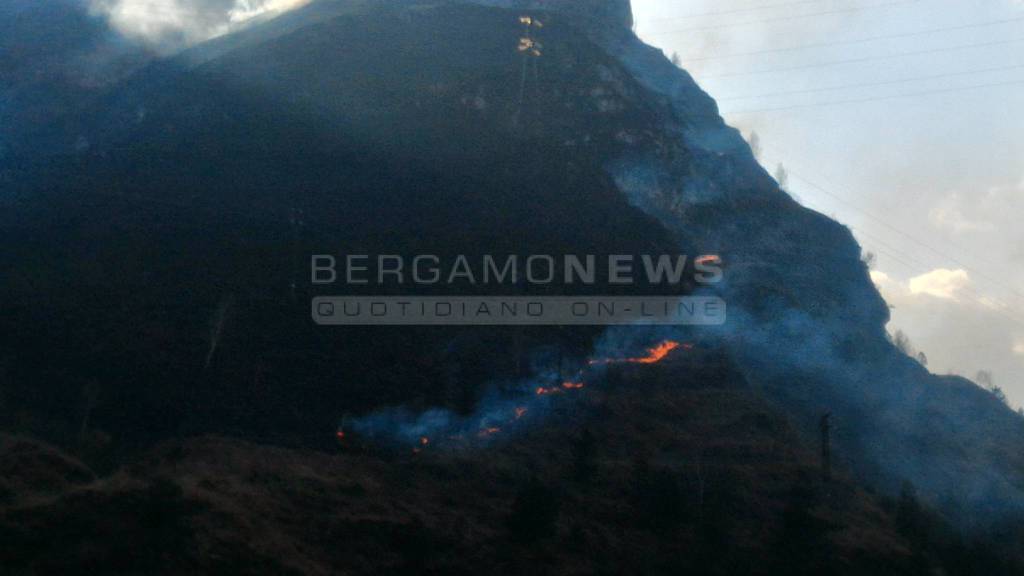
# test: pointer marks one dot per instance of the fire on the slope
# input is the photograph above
(494, 426)
(654, 355)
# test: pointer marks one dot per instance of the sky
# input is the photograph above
(931, 182)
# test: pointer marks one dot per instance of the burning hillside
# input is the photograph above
(654, 355)
(502, 414)
(156, 325)
(681, 477)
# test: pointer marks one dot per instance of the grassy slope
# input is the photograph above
(683, 474)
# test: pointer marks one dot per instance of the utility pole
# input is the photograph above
(296, 222)
(825, 425)
(529, 48)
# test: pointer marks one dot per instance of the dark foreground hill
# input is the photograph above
(645, 472)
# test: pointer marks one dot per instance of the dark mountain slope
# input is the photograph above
(177, 233)
(55, 60)
(652, 474)
(804, 315)
(354, 135)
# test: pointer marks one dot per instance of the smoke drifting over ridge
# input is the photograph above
(943, 169)
(174, 24)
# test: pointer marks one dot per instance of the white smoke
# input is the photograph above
(170, 25)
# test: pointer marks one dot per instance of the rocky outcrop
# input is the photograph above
(804, 313)
(608, 14)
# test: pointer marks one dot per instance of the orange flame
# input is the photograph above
(424, 441)
(488, 431)
(572, 385)
(519, 412)
(654, 355)
(708, 259)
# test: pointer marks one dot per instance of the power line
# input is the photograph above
(858, 41)
(864, 59)
(982, 299)
(740, 10)
(903, 234)
(973, 294)
(877, 98)
(869, 84)
(791, 17)
(973, 257)
(920, 267)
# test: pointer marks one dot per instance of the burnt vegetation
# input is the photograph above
(680, 477)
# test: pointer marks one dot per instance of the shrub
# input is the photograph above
(534, 512)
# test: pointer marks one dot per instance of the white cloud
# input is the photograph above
(988, 212)
(949, 214)
(173, 24)
(940, 283)
(891, 288)
(880, 278)
(244, 10)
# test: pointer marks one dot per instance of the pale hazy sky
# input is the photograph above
(932, 183)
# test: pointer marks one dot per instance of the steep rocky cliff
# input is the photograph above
(805, 318)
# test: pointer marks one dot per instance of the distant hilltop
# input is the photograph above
(616, 13)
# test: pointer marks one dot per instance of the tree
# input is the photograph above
(534, 512)
(781, 176)
(755, 145)
(999, 394)
(803, 546)
(869, 259)
(660, 499)
(4, 363)
(676, 60)
(584, 452)
(902, 343)
(985, 379)
(910, 519)
(90, 399)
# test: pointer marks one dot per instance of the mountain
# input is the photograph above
(156, 290)
(55, 59)
(205, 188)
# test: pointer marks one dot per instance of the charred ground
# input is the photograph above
(645, 472)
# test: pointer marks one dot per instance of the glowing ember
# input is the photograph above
(658, 353)
(654, 355)
(708, 259)
(576, 382)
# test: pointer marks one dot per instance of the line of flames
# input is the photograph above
(653, 356)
